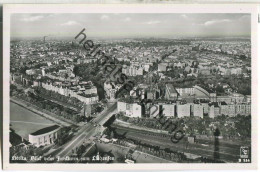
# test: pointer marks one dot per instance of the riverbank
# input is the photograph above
(37, 111)
(25, 122)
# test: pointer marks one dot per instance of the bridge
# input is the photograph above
(88, 130)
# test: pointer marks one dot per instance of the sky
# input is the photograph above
(127, 25)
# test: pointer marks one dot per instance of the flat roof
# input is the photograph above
(45, 130)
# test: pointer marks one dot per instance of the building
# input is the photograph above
(243, 109)
(30, 72)
(137, 110)
(134, 110)
(154, 110)
(227, 109)
(226, 99)
(45, 136)
(110, 90)
(36, 83)
(185, 91)
(150, 95)
(170, 92)
(222, 108)
(168, 110)
(183, 110)
(153, 94)
(198, 110)
(236, 71)
(205, 108)
(60, 77)
(43, 72)
(197, 92)
(162, 67)
(238, 98)
(79, 92)
(214, 110)
(191, 139)
(204, 93)
(121, 106)
(211, 111)
(248, 98)
(146, 66)
(132, 70)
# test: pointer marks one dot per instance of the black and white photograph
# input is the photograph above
(130, 87)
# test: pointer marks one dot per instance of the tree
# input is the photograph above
(81, 150)
(76, 70)
(219, 89)
(12, 89)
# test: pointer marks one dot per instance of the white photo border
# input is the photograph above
(9, 9)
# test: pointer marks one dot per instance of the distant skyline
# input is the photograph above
(129, 25)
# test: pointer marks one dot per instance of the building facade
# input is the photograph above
(45, 136)
(170, 92)
(168, 110)
(183, 110)
(198, 110)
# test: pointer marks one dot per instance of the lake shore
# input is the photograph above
(30, 107)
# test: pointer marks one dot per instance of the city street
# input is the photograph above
(86, 131)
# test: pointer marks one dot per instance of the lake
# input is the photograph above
(25, 122)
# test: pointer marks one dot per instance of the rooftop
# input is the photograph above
(45, 130)
(206, 88)
(171, 88)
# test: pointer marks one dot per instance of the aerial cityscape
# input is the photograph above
(130, 88)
